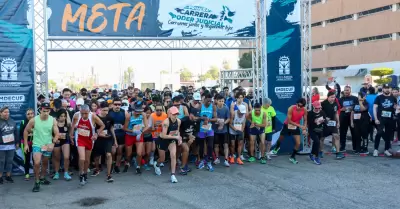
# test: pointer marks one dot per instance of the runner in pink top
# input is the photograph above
(292, 127)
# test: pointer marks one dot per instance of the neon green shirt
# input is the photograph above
(270, 112)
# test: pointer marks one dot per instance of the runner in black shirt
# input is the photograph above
(316, 119)
(347, 103)
(384, 109)
(359, 121)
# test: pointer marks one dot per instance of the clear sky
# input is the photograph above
(145, 63)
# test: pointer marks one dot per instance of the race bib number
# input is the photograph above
(292, 127)
(332, 123)
(386, 114)
(206, 127)
(8, 138)
(117, 126)
(83, 132)
(62, 135)
(319, 120)
(44, 148)
(238, 126)
(357, 116)
(105, 132)
(137, 127)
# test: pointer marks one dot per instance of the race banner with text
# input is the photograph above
(17, 75)
(150, 18)
(284, 59)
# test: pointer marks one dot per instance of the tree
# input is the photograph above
(382, 72)
(246, 61)
(130, 74)
(126, 77)
(226, 65)
(52, 85)
(313, 80)
(74, 86)
(211, 74)
(186, 74)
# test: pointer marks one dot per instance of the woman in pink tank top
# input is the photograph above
(292, 127)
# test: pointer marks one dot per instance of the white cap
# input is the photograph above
(56, 95)
(196, 96)
(100, 90)
(80, 101)
(242, 109)
(175, 94)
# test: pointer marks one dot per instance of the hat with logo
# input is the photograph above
(196, 96)
(385, 86)
(242, 109)
(45, 105)
(173, 110)
(80, 101)
(316, 104)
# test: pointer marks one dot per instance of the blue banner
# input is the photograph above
(149, 18)
(284, 59)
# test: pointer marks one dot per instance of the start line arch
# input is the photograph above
(45, 43)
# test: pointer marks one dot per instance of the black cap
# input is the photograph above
(385, 86)
(45, 105)
(83, 90)
(140, 94)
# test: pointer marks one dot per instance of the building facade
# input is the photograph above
(354, 32)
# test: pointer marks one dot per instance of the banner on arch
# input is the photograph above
(151, 18)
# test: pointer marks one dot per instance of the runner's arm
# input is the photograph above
(28, 128)
(289, 117)
(55, 131)
(185, 111)
(72, 129)
(305, 118)
(113, 134)
(100, 123)
(264, 122)
(214, 118)
(231, 121)
(352, 119)
(376, 112)
(145, 122)
(165, 130)
(126, 125)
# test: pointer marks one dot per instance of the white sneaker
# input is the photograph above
(269, 157)
(151, 161)
(173, 179)
(157, 170)
(217, 161)
(375, 153)
(161, 164)
(242, 157)
(179, 162)
(387, 153)
(226, 163)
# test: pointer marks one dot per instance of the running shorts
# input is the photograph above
(88, 144)
(163, 144)
(255, 131)
(120, 139)
(36, 149)
(289, 132)
(238, 137)
(62, 142)
(268, 136)
(148, 138)
(221, 138)
(131, 140)
(330, 130)
(102, 146)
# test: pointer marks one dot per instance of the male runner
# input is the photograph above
(155, 122)
(84, 122)
(221, 130)
(43, 127)
(258, 123)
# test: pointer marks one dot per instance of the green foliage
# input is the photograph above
(52, 85)
(226, 65)
(381, 71)
(246, 61)
(382, 81)
(74, 86)
(314, 79)
(186, 74)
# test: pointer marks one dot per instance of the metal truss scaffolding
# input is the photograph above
(227, 77)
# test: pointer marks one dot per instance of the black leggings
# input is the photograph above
(27, 164)
(344, 120)
(210, 147)
(385, 130)
(316, 137)
(361, 135)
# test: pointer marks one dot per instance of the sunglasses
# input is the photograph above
(317, 108)
(159, 110)
(117, 104)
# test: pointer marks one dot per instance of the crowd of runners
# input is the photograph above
(131, 129)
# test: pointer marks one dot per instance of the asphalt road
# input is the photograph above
(355, 182)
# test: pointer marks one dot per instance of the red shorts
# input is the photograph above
(88, 144)
(131, 140)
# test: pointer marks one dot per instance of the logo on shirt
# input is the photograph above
(387, 103)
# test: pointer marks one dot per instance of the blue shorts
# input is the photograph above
(255, 131)
(203, 135)
(36, 149)
(62, 142)
(268, 136)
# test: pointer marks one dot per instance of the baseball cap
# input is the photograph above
(173, 110)
(242, 109)
(138, 107)
(45, 105)
(175, 94)
(196, 96)
(316, 104)
(385, 86)
(80, 101)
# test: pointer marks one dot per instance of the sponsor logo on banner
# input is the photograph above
(198, 17)
(12, 98)
(9, 69)
(284, 69)
(285, 92)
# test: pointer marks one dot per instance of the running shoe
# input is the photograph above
(226, 163)
(9, 179)
(339, 156)
(161, 164)
(126, 167)
(312, 158)
(151, 162)
(187, 169)
(146, 167)
(179, 162)
(1, 180)
(242, 157)
(182, 171)
(293, 160)
(321, 154)
(81, 180)
(36, 187)
(173, 179)
(116, 169)
(27, 177)
(197, 163)
(67, 177)
(210, 167)
(376, 153)
(201, 165)
(138, 171)
(157, 169)
(275, 151)
(95, 173)
(56, 176)
(365, 152)
(239, 161)
(268, 157)
(217, 161)
(252, 159)
(44, 181)
(317, 161)
(387, 154)
(263, 161)
(231, 160)
(109, 179)
(333, 150)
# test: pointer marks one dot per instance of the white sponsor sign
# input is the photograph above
(9, 69)
(284, 92)
(12, 98)
(284, 69)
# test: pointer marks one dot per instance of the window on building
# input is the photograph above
(316, 69)
(373, 11)
(316, 24)
(375, 38)
(340, 43)
(317, 47)
(338, 19)
(316, 1)
(336, 68)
